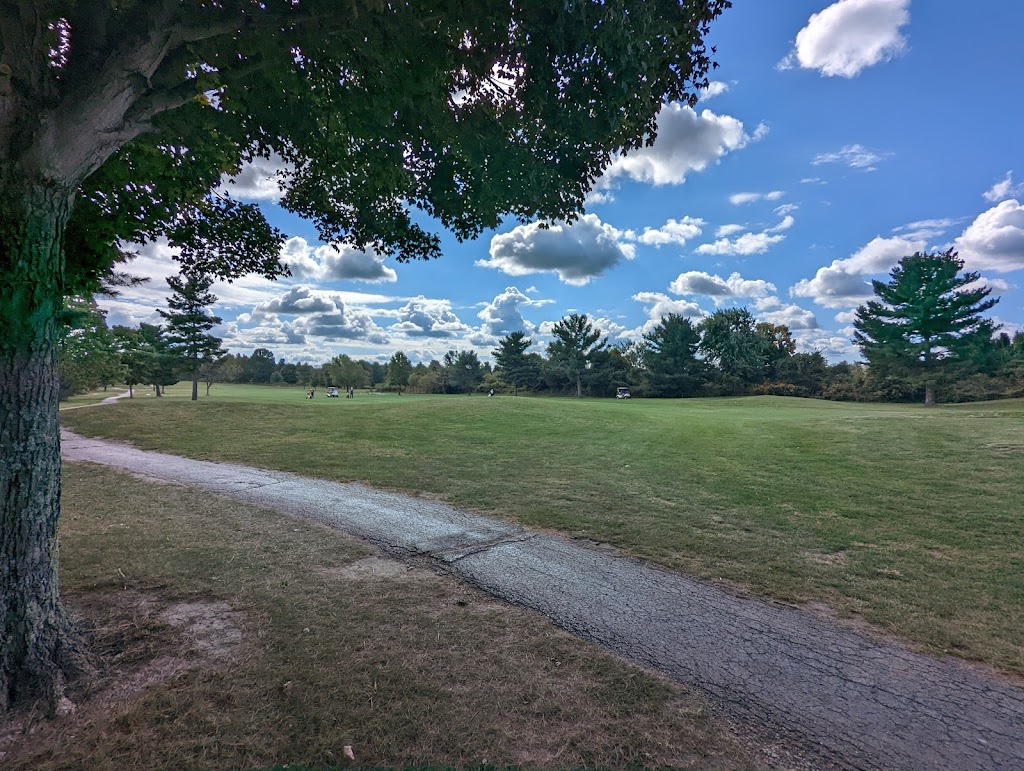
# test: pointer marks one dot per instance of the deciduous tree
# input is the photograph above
(399, 370)
(260, 366)
(345, 372)
(117, 120)
(927, 318)
(731, 342)
(88, 353)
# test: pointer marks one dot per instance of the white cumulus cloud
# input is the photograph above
(576, 252)
(502, 316)
(672, 232)
(334, 262)
(316, 313)
(995, 240)
(849, 36)
(661, 305)
(748, 243)
(259, 180)
(687, 141)
(880, 255)
(774, 311)
(834, 287)
(724, 231)
(700, 283)
(841, 284)
(715, 88)
(427, 317)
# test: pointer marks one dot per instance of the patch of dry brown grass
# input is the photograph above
(231, 636)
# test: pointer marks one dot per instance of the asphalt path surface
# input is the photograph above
(858, 701)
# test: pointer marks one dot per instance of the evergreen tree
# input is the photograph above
(514, 368)
(189, 324)
(927, 319)
(670, 357)
(577, 343)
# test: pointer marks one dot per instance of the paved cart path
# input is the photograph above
(108, 400)
(864, 702)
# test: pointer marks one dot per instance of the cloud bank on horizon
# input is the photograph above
(828, 156)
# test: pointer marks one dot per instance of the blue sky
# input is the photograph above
(836, 138)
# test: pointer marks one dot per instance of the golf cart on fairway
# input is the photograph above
(332, 392)
(622, 393)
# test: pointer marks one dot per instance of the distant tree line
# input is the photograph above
(923, 335)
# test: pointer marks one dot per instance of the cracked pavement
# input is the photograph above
(859, 701)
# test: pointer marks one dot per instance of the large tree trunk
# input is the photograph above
(37, 648)
(929, 396)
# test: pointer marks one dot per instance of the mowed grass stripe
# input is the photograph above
(908, 517)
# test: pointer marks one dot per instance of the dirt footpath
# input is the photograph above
(861, 702)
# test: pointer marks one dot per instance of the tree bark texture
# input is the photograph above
(37, 649)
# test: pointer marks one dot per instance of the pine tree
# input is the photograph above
(670, 357)
(927, 319)
(514, 367)
(576, 344)
(188, 324)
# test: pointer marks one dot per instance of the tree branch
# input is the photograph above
(158, 102)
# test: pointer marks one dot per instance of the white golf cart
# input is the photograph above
(622, 393)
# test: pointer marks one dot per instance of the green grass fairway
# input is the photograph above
(908, 517)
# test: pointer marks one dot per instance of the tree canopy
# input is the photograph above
(927, 317)
(118, 120)
(399, 369)
(731, 340)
